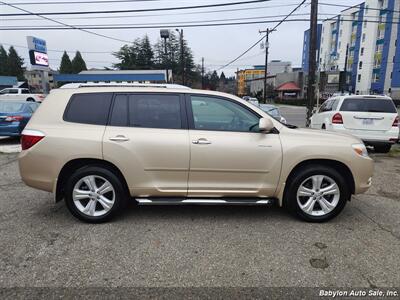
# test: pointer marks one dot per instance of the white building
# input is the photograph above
(368, 33)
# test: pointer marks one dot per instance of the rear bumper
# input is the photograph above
(371, 137)
(14, 129)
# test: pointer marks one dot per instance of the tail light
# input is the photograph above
(41, 97)
(396, 122)
(30, 138)
(13, 118)
(337, 119)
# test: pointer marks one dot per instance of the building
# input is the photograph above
(119, 76)
(362, 41)
(245, 77)
(36, 78)
(306, 47)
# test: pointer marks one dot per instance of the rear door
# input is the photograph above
(148, 139)
(373, 114)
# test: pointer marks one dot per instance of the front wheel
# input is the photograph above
(94, 194)
(317, 193)
(382, 148)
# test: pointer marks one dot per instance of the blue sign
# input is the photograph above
(36, 44)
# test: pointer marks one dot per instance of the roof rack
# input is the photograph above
(123, 84)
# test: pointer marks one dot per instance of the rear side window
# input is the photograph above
(369, 105)
(88, 108)
(25, 92)
(147, 111)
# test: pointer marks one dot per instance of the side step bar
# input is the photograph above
(198, 201)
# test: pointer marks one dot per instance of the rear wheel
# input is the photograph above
(382, 148)
(94, 194)
(30, 99)
(317, 193)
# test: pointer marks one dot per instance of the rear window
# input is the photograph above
(8, 107)
(147, 111)
(88, 108)
(369, 105)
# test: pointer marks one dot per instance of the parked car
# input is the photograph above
(14, 115)
(20, 94)
(373, 119)
(97, 147)
(273, 111)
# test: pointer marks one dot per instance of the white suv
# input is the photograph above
(373, 119)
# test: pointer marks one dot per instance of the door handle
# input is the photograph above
(201, 142)
(119, 138)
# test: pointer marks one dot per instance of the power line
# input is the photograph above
(183, 25)
(156, 27)
(64, 24)
(157, 23)
(79, 2)
(60, 51)
(137, 10)
(256, 43)
(359, 6)
(158, 15)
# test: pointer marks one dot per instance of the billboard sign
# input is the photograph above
(39, 58)
(38, 53)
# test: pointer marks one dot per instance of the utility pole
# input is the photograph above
(202, 73)
(182, 56)
(267, 32)
(344, 86)
(165, 35)
(312, 60)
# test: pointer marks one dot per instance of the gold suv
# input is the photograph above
(99, 146)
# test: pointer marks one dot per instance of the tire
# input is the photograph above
(323, 127)
(30, 99)
(304, 178)
(382, 148)
(104, 206)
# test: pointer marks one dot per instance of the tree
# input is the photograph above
(145, 54)
(3, 61)
(66, 64)
(15, 64)
(78, 64)
(139, 55)
(214, 80)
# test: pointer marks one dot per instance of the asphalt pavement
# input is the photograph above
(42, 245)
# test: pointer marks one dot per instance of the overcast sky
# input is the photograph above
(218, 45)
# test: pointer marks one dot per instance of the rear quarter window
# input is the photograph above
(369, 105)
(90, 108)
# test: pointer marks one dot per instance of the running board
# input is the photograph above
(198, 201)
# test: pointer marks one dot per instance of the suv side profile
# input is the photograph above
(99, 147)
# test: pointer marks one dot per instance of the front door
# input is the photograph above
(229, 156)
(148, 139)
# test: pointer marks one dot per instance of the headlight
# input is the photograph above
(360, 149)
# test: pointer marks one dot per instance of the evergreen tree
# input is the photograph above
(214, 81)
(66, 64)
(3, 62)
(15, 64)
(78, 64)
(144, 55)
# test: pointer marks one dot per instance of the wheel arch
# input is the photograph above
(340, 166)
(75, 164)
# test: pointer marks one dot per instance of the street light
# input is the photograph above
(164, 33)
(182, 62)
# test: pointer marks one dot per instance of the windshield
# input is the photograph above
(369, 105)
(8, 107)
(271, 110)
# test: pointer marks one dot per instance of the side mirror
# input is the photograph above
(265, 125)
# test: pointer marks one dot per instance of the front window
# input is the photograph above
(210, 113)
